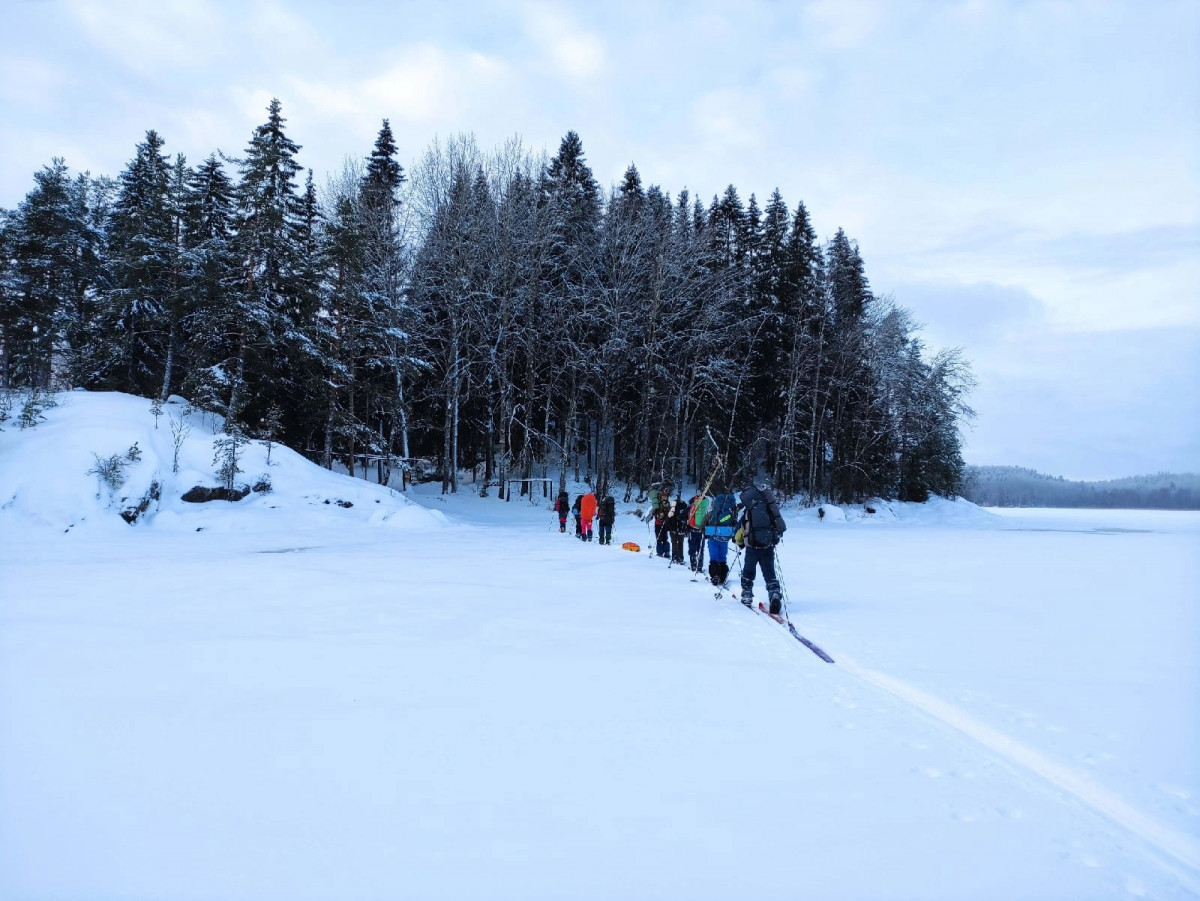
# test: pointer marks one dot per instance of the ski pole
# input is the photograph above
(782, 590)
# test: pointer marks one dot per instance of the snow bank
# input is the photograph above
(102, 459)
(937, 511)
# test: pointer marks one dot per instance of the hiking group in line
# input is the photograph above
(751, 520)
(585, 509)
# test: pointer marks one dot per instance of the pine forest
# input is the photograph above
(492, 317)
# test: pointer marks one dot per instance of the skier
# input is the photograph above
(662, 508)
(575, 510)
(587, 512)
(677, 525)
(697, 510)
(562, 506)
(718, 529)
(608, 513)
(759, 529)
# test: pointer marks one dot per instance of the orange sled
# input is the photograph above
(631, 546)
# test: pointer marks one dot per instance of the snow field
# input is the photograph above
(386, 701)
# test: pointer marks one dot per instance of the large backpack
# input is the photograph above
(608, 509)
(763, 522)
(721, 517)
(697, 510)
(679, 523)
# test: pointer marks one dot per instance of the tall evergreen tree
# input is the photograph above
(384, 275)
(210, 276)
(50, 250)
(572, 195)
(267, 253)
(141, 263)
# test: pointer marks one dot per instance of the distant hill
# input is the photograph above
(1015, 486)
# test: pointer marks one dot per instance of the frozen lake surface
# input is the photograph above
(431, 697)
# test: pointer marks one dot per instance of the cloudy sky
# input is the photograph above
(1024, 176)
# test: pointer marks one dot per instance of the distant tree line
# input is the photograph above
(1012, 486)
(495, 311)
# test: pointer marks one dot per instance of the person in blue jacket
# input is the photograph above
(719, 527)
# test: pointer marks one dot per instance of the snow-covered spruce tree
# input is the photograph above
(302, 396)
(7, 310)
(858, 437)
(210, 302)
(772, 307)
(141, 262)
(29, 283)
(227, 455)
(572, 196)
(800, 295)
(267, 291)
(390, 365)
(49, 250)
(347, 330)
(78, 320)
(175, 300)
(728, 247)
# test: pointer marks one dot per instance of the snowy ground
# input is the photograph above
(446, 698)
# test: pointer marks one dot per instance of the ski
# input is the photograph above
(775, 616)
(796, 635)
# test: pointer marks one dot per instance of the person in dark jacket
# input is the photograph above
(562, 507)
(662, 509)
(608, 513)
(578, 517)
(677, 526)
(759, 529)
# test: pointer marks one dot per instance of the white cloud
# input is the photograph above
(423, 90)
(32, 83)
(845, 24)
(728, 118)
(568, 47)
(148, 35)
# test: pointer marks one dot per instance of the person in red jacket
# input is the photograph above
(587, 512)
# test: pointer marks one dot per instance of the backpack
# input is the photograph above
(721, 517)
(679, 523)
(763, 522)
(697, 510)
(608, 509)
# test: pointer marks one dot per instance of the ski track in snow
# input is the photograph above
(1175, 845)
